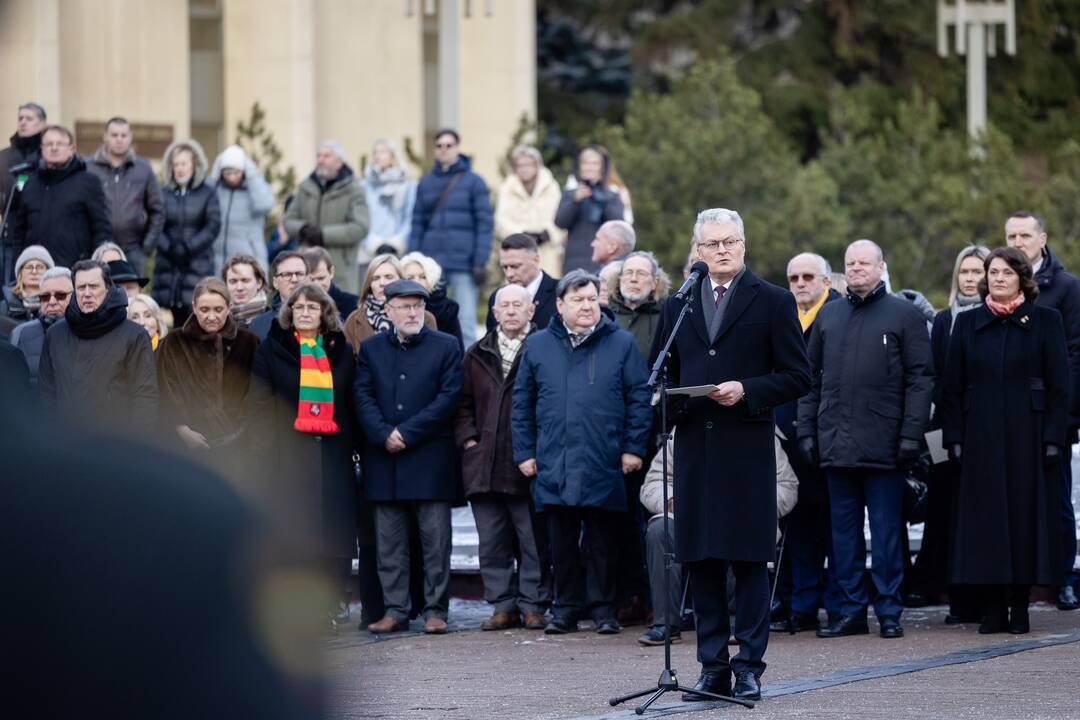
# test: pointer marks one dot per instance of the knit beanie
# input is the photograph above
(34, 252)
(233, 158)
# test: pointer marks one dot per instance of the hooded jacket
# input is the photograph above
(577, 410)
(243, 215)
(63, 210)
(1060, 289)
(99, 367)
(340, 210)
(192, 221)
(458, 236)
(133, 198)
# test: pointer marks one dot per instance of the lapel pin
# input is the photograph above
(1024, 319)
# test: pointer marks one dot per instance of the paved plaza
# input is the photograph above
(935, 671)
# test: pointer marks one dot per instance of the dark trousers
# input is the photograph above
(630, 577)
(666, 593)
(392, 522)
(881, 492)
(503, 525)
(1068, 521)
(584, 573)
(808, 546)
(367, 569)
(708, 583)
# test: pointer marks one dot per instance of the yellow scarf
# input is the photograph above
(154, 339)
(806, 317)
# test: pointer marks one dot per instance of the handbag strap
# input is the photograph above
(442, 198)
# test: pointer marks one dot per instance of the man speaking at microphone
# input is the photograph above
(743, 336)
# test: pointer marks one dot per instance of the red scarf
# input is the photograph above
(1005, 309)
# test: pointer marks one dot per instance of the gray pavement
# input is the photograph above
(522, 674)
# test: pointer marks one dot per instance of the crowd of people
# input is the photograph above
(333, 373)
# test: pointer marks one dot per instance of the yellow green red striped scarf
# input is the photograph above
(316, 412)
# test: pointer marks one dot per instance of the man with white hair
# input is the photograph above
(743, 338)
(495, 487)
(614, 240)
(54, 296)
(863, 422)
(330, 210)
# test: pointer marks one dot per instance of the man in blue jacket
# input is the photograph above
(452, 222)
(580, 421)
(406, 393)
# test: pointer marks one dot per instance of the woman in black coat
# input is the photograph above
(185, 247)
(929, 576)
(303, 438)
(1005, 409)
(586, 207)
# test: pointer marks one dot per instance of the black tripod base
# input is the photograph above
(669, 683)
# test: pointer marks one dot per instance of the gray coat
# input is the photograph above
(243, 215)
(30, 339)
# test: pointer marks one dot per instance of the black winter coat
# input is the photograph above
(544, 304)
(310, 479)
(413, 387)
(99, 367)
(582, 219)
(30, 339)
(483, 415)
(1060, 289)
(872, 380)
(63, 210)
(346, 301)
(20, 150)
(186, 243)
(1004, 400)
(725, 457)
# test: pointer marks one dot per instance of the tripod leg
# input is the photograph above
(715, 696)
(624, 698)
(652, 698)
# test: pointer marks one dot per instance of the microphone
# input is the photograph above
(697, 271)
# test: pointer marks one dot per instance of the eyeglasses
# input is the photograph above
(35, 267)
(408, 307)
(643, 274)
(712, 245)
(307, 309)
(54, 145)
(291, 275)
(59, 296)
(806, 277)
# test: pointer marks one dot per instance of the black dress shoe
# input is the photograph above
(845, 626)
(1067, 599)
(994, 621)
(960, 619)
(917, 600)
(747, 686)
(890, 628)
(717, 683)
(608, 627)
(560, 626)
(1019, 623)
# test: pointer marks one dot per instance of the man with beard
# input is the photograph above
(330, 210)
(96, 365)
(56, 291)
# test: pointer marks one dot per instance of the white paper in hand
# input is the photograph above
(693, 390)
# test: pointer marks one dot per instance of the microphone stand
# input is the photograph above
(669, 681)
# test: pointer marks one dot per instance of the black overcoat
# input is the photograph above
(309, 479)
(185, 247)
(725, 458)
(413, 387)
(1006, 395)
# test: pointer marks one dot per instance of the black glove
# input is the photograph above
(809, 449)
(955, 451)
(907, 453)
(311, 235)
(479, 275)
(1052, 454)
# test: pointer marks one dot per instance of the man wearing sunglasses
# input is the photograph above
(55, 294)
(809, 539)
